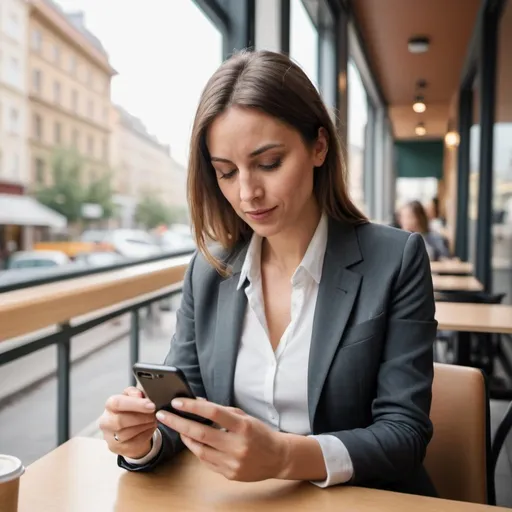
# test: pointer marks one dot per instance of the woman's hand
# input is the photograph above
(243, 449)
(128, 423)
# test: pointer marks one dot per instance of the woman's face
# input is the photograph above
(264, 169)
(408, 220)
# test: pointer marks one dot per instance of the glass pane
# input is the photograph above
(356, 134)
(502, 200)
(474, 172)
(303, 40)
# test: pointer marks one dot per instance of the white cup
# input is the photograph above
(11, 470)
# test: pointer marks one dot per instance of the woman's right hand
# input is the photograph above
(131, 418)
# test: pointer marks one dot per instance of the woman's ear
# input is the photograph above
(320, 147)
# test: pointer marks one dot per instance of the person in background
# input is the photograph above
(309, 331)
(413, 218)
(436, 223)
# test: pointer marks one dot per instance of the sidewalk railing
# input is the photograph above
(125, 289)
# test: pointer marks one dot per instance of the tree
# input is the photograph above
(151, 212)
(67, 195)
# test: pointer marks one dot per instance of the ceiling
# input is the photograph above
(387, 25)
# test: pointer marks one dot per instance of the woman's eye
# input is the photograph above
(227, 175)
(272, 165)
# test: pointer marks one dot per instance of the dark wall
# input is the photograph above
(419, 159)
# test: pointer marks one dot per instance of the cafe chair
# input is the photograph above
(457, 457)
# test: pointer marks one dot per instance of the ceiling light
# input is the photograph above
(419, 44)
(420, 130)
(451, 139)
(419, 105)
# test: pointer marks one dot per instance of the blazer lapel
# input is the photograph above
(231, 307)
(337, 293)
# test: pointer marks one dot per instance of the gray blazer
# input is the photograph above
(370, 366)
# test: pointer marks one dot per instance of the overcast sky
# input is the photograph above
(165, 51)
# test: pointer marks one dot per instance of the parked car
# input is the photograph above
(37, 259)
(131, 243)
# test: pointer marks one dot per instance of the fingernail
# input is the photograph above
(177, 404)
(150, 406)
(160, 415)
(201, 398)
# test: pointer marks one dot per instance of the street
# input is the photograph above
(28, 426)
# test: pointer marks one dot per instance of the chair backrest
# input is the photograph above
(456, 457)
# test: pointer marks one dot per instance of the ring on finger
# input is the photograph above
(115, 437)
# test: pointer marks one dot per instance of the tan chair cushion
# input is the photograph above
(456, 456)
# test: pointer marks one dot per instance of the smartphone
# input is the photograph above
(162, 384)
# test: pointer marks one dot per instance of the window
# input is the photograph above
(38, 127)
(58, 133)
(474, 171)
(16, 166)
(13, 25)
(72, 65)
(90, 109)
(356, 134)
(90, 145)
(14, 71)
(74, 101)
(14, 121)
(76, 139)
(40, 171)
(37, 40)
(303, 40)
(105, 149)
(56, 54)
(36, 80)
(502, 187)
(56, 92)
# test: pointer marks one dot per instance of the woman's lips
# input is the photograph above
(261, 214)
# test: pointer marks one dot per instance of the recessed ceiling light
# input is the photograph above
(419, 44)
(420, 130)
(451, 139)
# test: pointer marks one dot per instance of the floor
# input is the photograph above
(503, 477)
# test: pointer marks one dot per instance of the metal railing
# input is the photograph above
(142, 275)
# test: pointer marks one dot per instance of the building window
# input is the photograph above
(76, 139)
(56, 54)
(16, 166)
(58, 133)
(14, 71)
(90, 145)
(37, 40)
(38, 127)
(39, 165)
(105, 149)
(36, 80)
(74, 101)
(72, 65)
(90, 109)
(13, 27)
(14, 121)
(56, 92)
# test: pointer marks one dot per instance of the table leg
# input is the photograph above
(463, 349)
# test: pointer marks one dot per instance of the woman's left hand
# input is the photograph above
(243, 449)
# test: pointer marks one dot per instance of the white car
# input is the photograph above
(37, 259)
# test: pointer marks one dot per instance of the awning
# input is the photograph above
(26, 211)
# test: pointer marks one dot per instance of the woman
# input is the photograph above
(309, 331)
(413, 217)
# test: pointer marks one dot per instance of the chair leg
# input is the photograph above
(502, 432)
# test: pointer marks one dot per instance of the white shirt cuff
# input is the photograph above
(155, 450)
(337, 461)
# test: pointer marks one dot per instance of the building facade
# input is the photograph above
(68, 81)
(13, 101)
(142, 166)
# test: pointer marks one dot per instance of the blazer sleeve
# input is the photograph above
(182, 354)
(395, 444)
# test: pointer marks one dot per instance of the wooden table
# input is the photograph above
(451, 267)
(456, 283)
(468, 317)
(82, 476)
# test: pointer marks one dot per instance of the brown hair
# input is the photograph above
(271, 83)
(421, 215)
